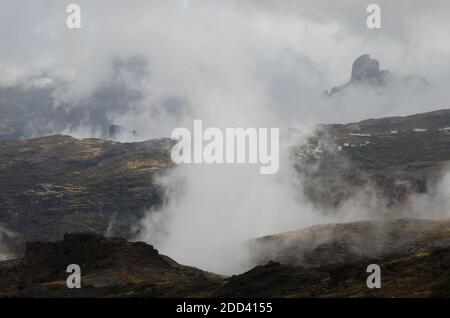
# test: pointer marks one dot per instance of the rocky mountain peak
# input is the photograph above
(366, 69)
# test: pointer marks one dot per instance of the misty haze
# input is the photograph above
(361, 174)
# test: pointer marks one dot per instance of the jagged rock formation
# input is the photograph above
(365, 69)
(330, 244)
(366, 72)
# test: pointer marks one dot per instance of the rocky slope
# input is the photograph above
(403, 275)
(57, 184)
(321, 261)
(390, 157)
(331, 261)
(110, 267)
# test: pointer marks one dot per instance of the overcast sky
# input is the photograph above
(233, 62)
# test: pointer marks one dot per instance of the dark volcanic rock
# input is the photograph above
(367, 74)
(110, 267)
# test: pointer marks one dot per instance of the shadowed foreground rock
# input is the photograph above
(417, 266)
(110, 267)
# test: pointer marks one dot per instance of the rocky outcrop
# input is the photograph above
(367, 70)
(405, 276)
(366, 73)
(110, 267)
